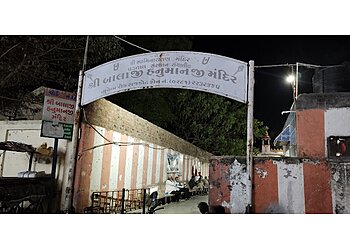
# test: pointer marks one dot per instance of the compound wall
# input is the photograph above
(290, 185)
(121, 150)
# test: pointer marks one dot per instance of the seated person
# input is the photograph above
(200, 185)
(205, 183)
(153, 202)
(171, 188)
(183, 190)
(192, 183)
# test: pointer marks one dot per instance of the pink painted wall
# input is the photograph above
(265, 191)
(83, 170)
(317, 186)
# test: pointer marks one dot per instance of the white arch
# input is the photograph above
(168, 69)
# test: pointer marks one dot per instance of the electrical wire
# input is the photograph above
(8, 98)
(299, 64)
(275, 65)
(117, 143)
(120, 144)
(85, 53)
(86, 120)
(123, 144)
(131, 44)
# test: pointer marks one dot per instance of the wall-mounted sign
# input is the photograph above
(170, 69)
(58, 114)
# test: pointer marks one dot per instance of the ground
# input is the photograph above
(184, 206)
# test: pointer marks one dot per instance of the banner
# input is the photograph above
(170, 69)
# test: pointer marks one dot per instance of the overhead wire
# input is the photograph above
(274, 65)
(117, 143)
(294, 64)
(132, 44)
(85, 53)
(11, 99)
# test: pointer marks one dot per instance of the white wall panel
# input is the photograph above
(113, 177)
(95, 178)
(128, 167)
(291, 187)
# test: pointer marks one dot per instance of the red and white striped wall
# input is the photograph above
(113, 167)
(289, 186)
(292, 188)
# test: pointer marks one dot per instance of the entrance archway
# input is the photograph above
(173, 69)
(169, 69)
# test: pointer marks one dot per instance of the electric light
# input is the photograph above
(290, 78)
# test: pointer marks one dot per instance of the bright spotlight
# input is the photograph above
(290, 78)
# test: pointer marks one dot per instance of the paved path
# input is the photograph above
(184, 206)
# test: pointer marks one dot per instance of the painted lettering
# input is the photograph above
(136, 73)
(115, 66)
(182, 59)
(197, 72)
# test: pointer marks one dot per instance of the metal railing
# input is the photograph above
(119, 201)
(25, 195)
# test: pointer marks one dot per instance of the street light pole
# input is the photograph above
(250, 135)
(292, 80)
(296, 81)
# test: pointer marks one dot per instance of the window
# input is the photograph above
(338, 146)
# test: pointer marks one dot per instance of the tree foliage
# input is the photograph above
(214, 123)
(28, 62)
(31, 61)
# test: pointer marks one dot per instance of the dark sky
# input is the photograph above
(272, 94)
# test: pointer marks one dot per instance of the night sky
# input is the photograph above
(272, 94)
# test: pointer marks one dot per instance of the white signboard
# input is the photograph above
(170, 69)
(58, 114)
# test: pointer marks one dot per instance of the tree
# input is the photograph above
(213, 123)
(28, 62)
